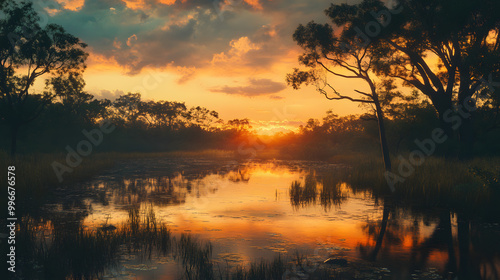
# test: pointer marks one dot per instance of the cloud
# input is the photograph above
(107, 94)
(255, 87)
(230, 35)
(73, 5)
(186, 73)
(239, 47)
(131, 40)
(276, 97)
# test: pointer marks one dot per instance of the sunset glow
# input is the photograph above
(250, 139)
(228, 56)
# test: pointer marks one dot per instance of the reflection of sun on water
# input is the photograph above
(248, 212)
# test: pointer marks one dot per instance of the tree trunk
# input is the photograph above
(443, 105)
(383, 139)
(383, 228)
(466, 139)
(449, 147)
(451, 264)
(463, 246)
(466, 133)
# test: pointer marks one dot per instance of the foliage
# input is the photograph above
(27, 46)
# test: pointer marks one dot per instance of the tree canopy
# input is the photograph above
(447, 50)
(27, 52)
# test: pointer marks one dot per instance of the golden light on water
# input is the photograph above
(250, 211)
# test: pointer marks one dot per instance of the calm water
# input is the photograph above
(261, 210)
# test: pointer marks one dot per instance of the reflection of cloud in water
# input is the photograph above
(260, 209)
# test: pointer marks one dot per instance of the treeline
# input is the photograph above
(159, 126)
(140, 126)
(409, 119)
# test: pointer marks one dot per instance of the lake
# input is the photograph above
(180, 218)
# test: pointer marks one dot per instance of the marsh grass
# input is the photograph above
(35, 174)
(306, 194)
(437, 182)
(196, 258)
(142, 235)
(80, 253)
(49, 252)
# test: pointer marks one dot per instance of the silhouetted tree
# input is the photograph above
(342, 55)
(164, 114)
(27, 46)
(242, 125)
(447, 49)
(202, 117)
(128, 108)
(77, 103)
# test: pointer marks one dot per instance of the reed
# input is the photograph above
(437, 182)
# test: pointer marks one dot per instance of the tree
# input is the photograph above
(342, 56)
(129, 108)
(68, 91)
(161, 114)
(202, 117)
(239, 125)
(27, 52)
(447, 49)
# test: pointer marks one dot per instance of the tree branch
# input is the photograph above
(339, 96)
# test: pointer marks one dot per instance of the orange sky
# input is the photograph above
(231, 56)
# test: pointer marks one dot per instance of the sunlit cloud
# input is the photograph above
(108, 94)
(254, 3)
(239, 48)
(208, 49)
(131, 40)
(255, 87)
(73, 5)
(186, 73)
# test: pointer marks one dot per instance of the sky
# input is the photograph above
(231, 56)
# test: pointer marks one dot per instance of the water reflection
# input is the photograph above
(197, 219)
(331, 192)
(413, 240)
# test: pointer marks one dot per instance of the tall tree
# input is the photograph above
(27, 52)
(341, 55)
(447, 49)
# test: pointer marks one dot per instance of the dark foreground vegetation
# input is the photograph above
(73, 252)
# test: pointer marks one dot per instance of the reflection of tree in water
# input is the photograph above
(387, 237)
(303, 194)
(170, 188)
(51, 250)
(472, 252)
(240, 175)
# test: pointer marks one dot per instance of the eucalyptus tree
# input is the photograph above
(335, 50)
(27, 52)
(76, 103)
(449, 50)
